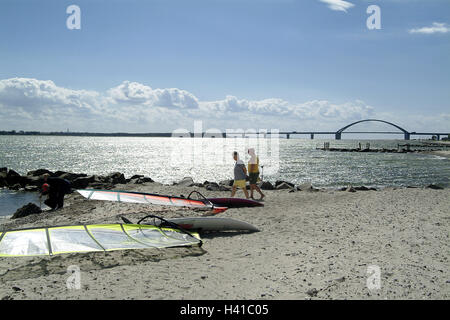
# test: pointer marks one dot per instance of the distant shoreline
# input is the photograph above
(163, 134)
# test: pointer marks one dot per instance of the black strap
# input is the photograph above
(126, 220)
(204, 198)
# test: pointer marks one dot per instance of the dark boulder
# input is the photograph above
(26, 210)
(224, 188)
(12, 177)
(4, 169)
(186, 182)
(266, 185)
(212, 186)
(116, 178)
(71, 176)
(136, 176)
(198, 184)
(146, 179)
(15, 186)
(362, 188)
(435, 187)
(83, 182)
(100, 186)
(31, 181)
(228, 183)
(39, 172)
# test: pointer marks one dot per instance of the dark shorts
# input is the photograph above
(253, 177)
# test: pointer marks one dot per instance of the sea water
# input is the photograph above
(168, 160)
(11, 200)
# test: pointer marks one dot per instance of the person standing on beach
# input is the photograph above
(253, 173)
(56, 188)
(240, 175)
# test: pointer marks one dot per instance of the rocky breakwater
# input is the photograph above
(33, 180)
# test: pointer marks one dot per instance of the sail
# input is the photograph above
(91, 238)
(148, 198)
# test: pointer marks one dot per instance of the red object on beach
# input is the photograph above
(45, 187)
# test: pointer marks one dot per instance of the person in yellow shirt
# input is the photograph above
(253, 173)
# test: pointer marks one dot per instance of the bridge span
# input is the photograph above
(338, 134)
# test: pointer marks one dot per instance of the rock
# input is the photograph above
(350, 189)
(70, 176)
(279, 182)
(284, 185)
(16, 186)
(3, 182)
(266, 185)
(224, 188)
(146, 179)
(198, 185)
(435, 187)
(212, 186)
(135, 181)
(139, 180)
(83, 182)
(100, 185)
(4, 169)
(12, 177)
(116, 178)
(39, 172)
(26, 210)
(361, 188)
(186, 182)
(227, 183)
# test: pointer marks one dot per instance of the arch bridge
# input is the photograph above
(339, 132)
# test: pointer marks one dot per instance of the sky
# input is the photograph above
(160, 65)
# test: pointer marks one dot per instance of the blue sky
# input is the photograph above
(284, 64)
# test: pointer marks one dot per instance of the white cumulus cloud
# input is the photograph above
(32, 104)
(436, 27)
(338, 5)
(139, 94)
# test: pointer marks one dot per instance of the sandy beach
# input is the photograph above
(312, 245)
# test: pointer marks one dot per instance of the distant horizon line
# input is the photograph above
(179, 134)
